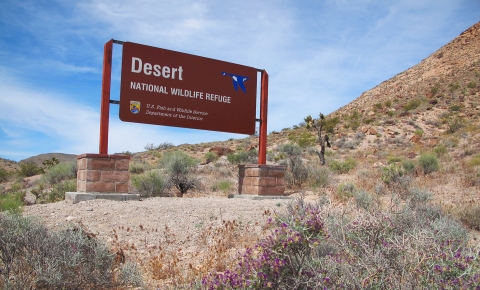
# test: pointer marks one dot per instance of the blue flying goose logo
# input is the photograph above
(237, 81)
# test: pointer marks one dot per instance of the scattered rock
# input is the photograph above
(411, 155)
(29, 198)
(378, 164)
(372, 131)
(89, 208)
(415, 138)
(405, 114)
(70, 218)
(31, 181)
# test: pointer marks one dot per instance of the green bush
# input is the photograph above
(455, 125)
(28, 169)
(138, 167)
(11, 202)
(440, 150)
(57, 193)
(151, 183)
(179, 167)
(296, 172)
(304, 139)
(319, 177)
(470, 216)
(59, 172)
(4, 175)
(211, 157)
(243, 157)
(428, 162)
(365, 200)
(342, 167)
(224, 186)
(330, 124)
(413, 104)
(34, 258)
(408, 165)
(345, 191)
(392, 173)
(475, 161)
(394, 159)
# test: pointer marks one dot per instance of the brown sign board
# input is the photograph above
(164, 87)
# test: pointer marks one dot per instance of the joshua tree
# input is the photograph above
(318, 125)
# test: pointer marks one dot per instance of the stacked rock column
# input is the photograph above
(102, 173)
(261, 179)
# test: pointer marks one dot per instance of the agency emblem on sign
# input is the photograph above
(135, 107)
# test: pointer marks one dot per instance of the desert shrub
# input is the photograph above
(392, 173)
(49, 163)
(180, 167)
(345, 191)
(224, 186)
(455, 125)
(319, 177)
(138, 167)
(4, 175)
(455, 108)
(440, 150)
(470, 216)
(330, 124)
(243, 157)
(472, 85)
(164, 145)
(150, 183)
(67, 259)
(28, 169)
(342, 166)
(11, 202)
(296, 172)
(408, 165)
(454, 86)
(394, 159)
(314, 246)
(57, 192)
(365, 200)
(303, 139)
(211, 157)
(59, 172)
(474, 161)
(428, 162)
(413, 104)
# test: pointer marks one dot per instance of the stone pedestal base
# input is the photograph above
(102, 176)
(261, 179)
(76, 197)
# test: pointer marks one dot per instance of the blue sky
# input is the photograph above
(320, 56)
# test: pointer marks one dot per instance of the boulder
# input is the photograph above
(221, 150)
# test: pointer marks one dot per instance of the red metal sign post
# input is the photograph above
(262, 146)
(105, 100)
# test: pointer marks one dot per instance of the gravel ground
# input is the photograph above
(139, 227)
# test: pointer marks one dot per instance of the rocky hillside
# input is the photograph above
(446, 75)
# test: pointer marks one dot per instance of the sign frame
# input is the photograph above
(105, 104)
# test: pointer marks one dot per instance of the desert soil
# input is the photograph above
(142, 228)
